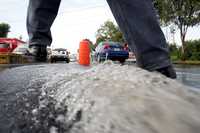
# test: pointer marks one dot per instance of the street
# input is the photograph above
(20, 93)
(61, 98)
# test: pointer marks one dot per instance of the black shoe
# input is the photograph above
(168, 72)
(39, 53)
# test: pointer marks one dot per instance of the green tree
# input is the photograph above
(4, 29)
(92, 46)
(182, 13)
(192, 50)
(109, 32)
(174, 52)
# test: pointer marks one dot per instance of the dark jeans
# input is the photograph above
(136, 19)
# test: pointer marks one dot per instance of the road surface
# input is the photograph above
(62, 98)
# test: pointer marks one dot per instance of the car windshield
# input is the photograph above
(21, 50)
(113, 45)
(116, 46)
(59, 51)
(110, 43)
(4, 45)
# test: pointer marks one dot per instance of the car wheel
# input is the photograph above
(122, 61)
(54, 61)
(51, 60)
(67, 61)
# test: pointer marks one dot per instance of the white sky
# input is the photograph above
(77, 20)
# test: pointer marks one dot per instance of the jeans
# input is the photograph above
(136, 19)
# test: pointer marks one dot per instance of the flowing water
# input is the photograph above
(108, 98)
(189, 75)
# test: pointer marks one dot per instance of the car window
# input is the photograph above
(116, 46)
(21, 50)
(59, 51)
(4, 45)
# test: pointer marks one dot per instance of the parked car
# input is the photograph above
(23, 50)
(59, 54)
(73, 57)
(132, 57)
(111, 51)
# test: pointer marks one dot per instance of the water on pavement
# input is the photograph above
(60, 98)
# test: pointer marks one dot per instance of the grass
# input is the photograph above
(187, 62)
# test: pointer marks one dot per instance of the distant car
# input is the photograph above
(59, 54)
(132, 57)
(23, 50)
(73, 57)
(111, 51)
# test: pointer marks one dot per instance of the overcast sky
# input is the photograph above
(77, 19)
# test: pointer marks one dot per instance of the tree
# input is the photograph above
(109, 32)
(174, 52)
(182, 13)
(192, 51)
(91, 45)
(4, 29)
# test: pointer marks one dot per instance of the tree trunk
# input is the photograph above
(183, 43)
(183, 29)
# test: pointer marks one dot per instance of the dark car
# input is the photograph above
(59, 54)
(111, 51)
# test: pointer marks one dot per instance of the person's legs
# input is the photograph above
(41, 14)
(137, 20)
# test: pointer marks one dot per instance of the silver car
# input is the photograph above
(59, 54)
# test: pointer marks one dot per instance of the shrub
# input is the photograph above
(192, 51)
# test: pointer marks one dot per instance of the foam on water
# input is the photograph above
(114, 98)
(103, 98)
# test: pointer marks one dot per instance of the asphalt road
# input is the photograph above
(20, 94)
(64, 98)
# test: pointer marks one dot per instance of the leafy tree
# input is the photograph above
(182, 13)
(174, 52)
(4, 29)
(192, 50)
(92, 46)
(109, 32)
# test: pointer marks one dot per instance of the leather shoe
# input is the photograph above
(39, 53)
(168, 72)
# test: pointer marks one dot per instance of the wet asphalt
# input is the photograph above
(20, 95)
